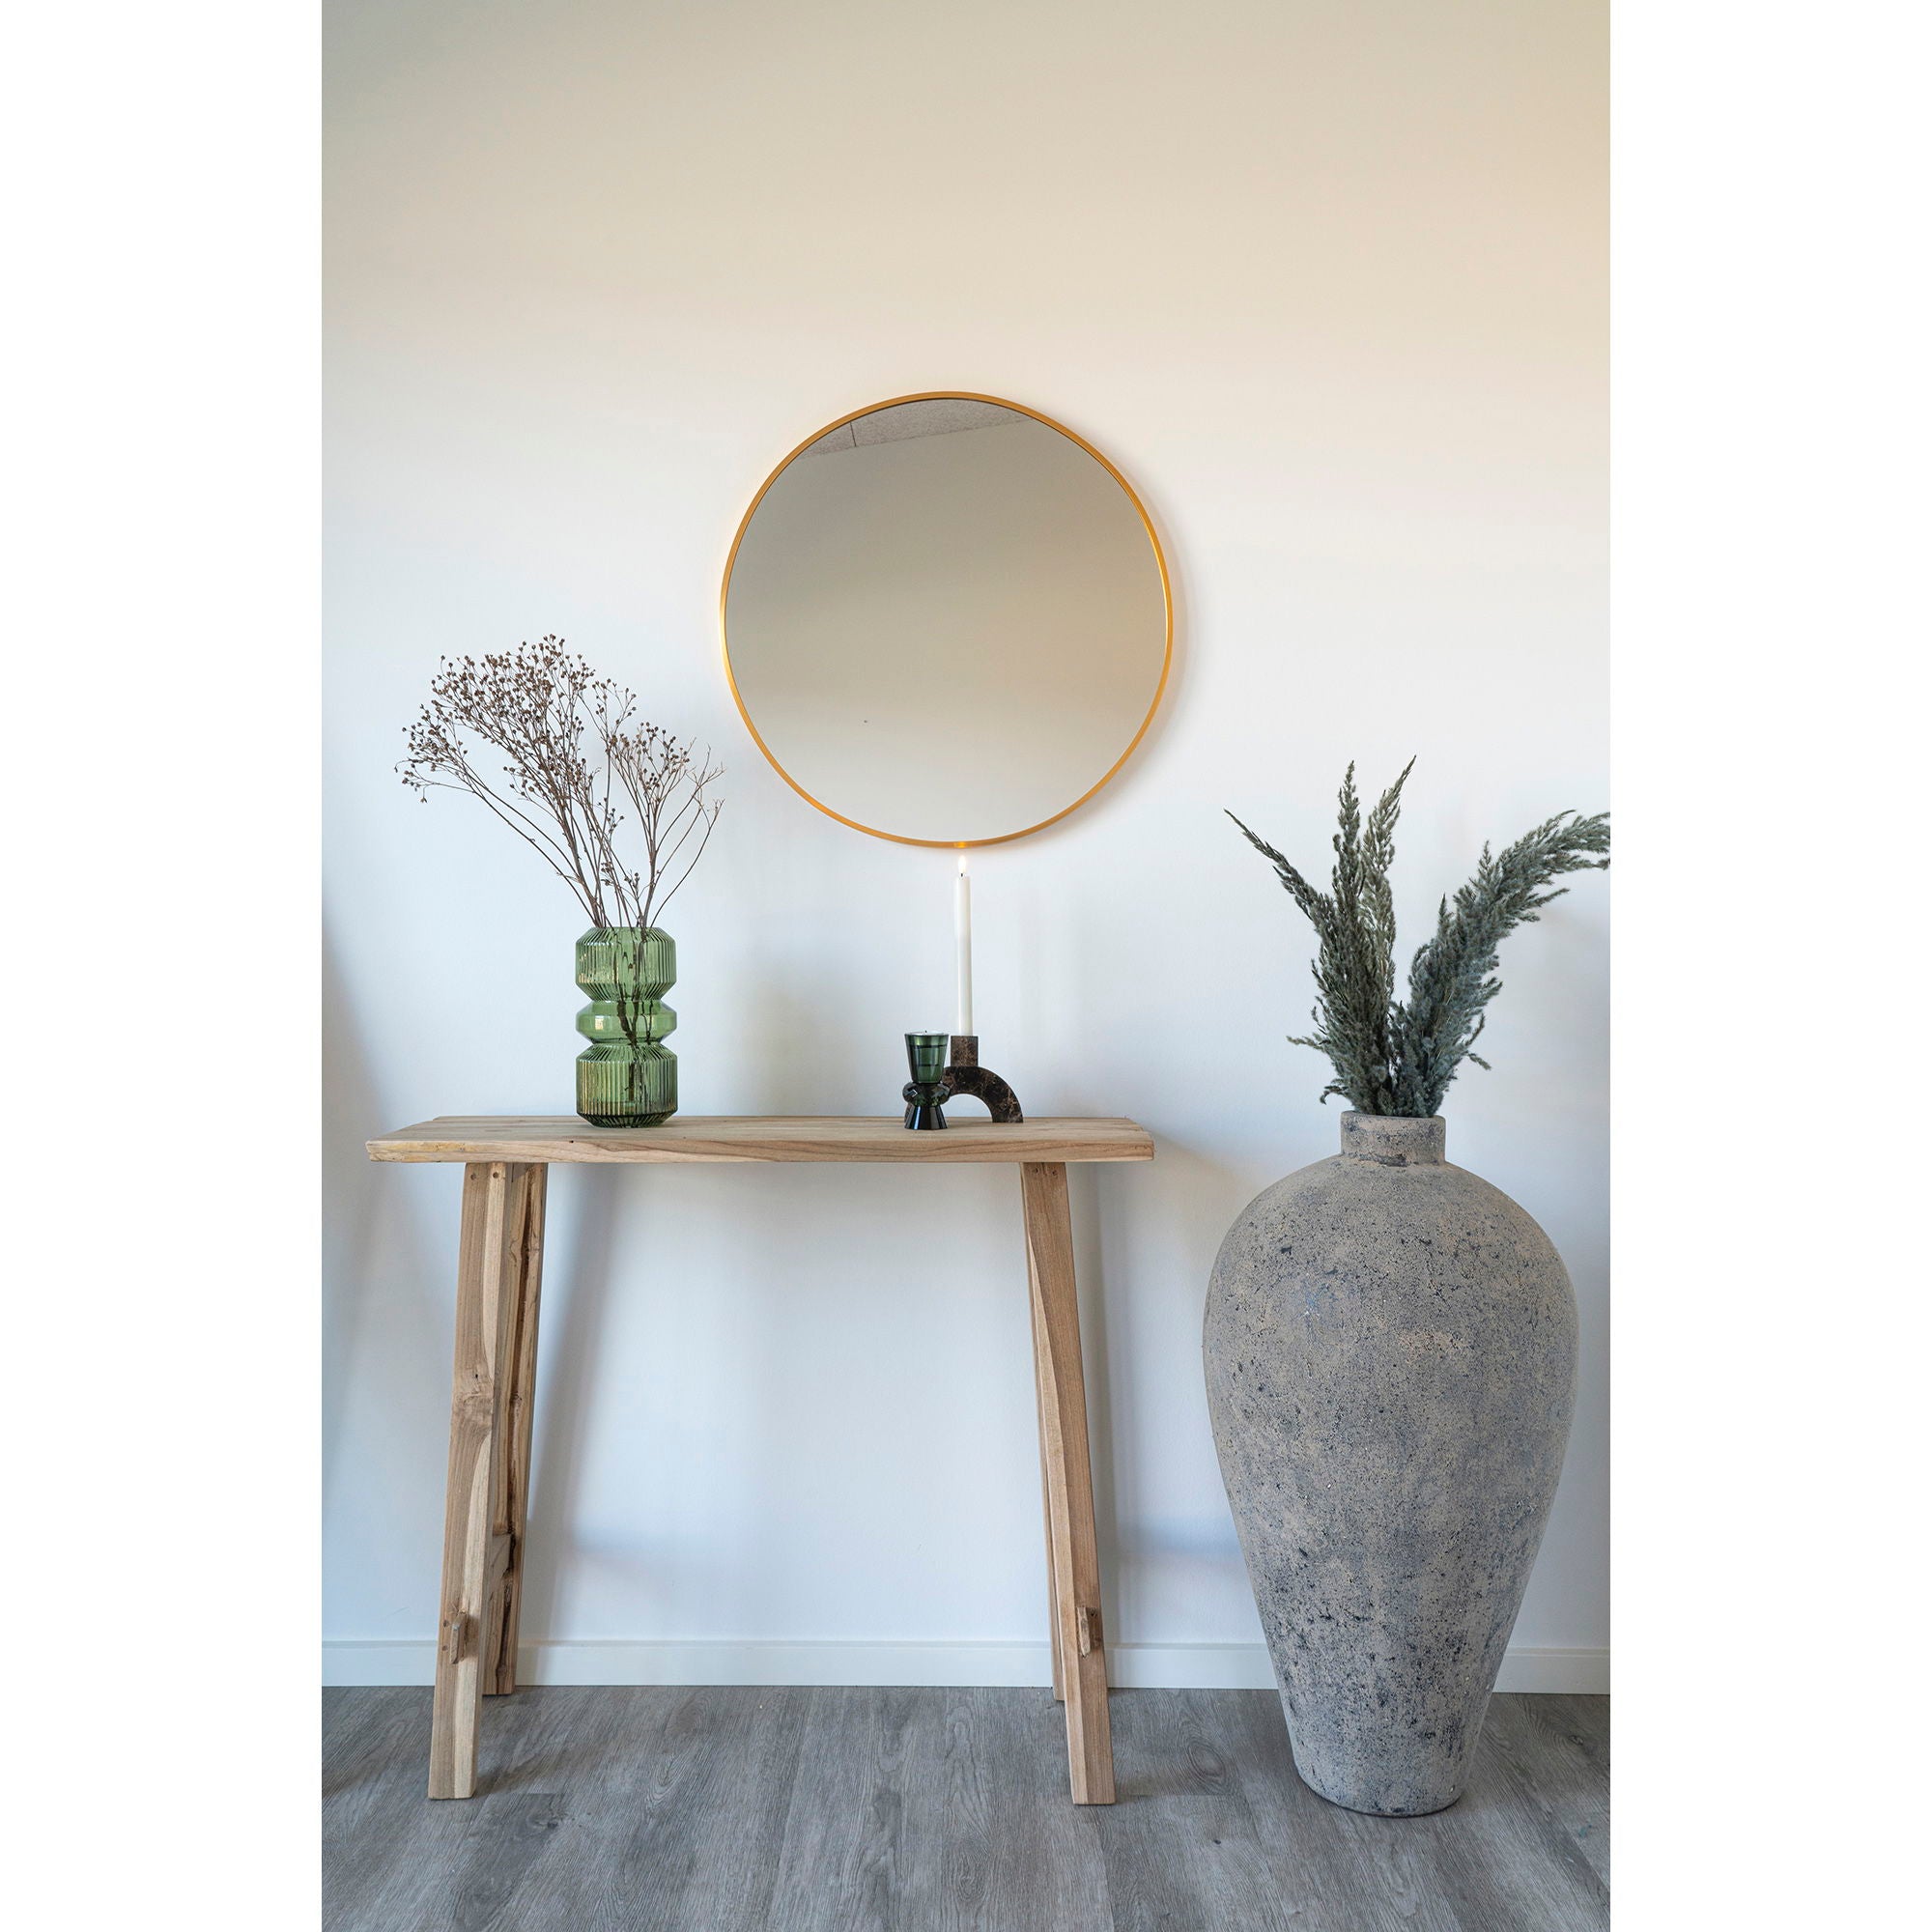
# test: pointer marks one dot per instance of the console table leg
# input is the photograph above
(1069, 1480)
(496, 1218)
(1042, 1376)
(512, 1484)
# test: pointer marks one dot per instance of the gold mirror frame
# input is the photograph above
(1161, 564)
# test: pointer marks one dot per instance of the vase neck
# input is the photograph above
(1392, 1140)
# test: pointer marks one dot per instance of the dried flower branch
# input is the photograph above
(574, 754)
(1394, 1057)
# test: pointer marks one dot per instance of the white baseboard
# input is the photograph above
(1130, 1666)
(1581, 1673)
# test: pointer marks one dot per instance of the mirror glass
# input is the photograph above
(947, 620)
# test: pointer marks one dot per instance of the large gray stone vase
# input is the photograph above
(1391, 1350)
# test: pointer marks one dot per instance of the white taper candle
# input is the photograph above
(962, 933)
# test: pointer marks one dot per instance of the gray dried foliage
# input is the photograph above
(575, 755)
(1394, 1055)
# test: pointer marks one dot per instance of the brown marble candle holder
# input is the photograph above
(965, 1075)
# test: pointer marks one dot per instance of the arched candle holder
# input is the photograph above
(944, 1066)
(965, 1075)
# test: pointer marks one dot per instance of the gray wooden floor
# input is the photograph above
(679, 1810)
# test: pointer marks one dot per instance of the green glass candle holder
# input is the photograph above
(926, 1092)
(626, 1077)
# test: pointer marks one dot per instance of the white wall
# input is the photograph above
(1327, 281)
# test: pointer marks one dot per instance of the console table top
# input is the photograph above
(743, 1137)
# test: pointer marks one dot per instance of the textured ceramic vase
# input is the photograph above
(1391, 1350)
(626, 1077)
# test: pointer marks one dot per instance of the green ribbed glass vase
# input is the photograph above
(626, 1077)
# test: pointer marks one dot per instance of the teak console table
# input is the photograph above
(499, 1267)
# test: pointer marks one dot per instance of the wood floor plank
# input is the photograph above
(1182, 1850)
(387, 1848)
(1560, 1748)
(1049, 1866)
(664, 1809)
(945, 1820)
(511, 1830)
(374, 1816)
(673, 1819)
(847, 1863)
(359, 1731)
(1492, 1862)
(439, 1861)
(605, 1745)
(1006, 1846)
(1341, 1871)
(1505, 1851)
(703, 1849)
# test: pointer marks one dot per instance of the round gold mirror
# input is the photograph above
(947, 619)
